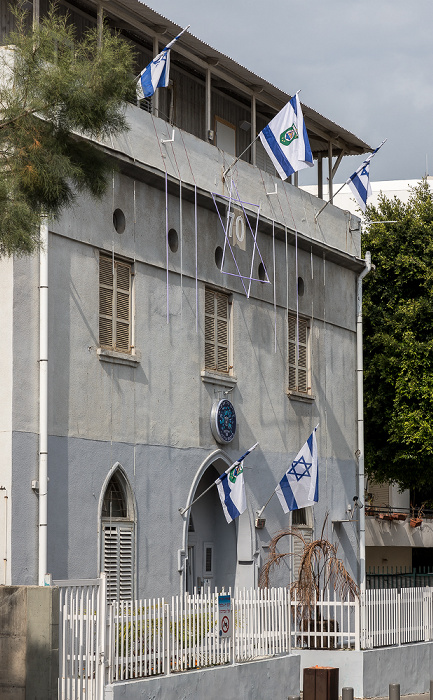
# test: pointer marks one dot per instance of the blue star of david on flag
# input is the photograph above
(300, 471)
(359, 182)
(299, 487)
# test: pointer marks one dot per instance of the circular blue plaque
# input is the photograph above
(223, 421)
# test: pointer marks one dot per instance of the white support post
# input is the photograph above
(36, 14)
(330, 184)
(43, 402)
(208, 119)
(253, 129)
(100, 23)
(320, 176)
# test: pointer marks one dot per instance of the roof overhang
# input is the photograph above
(136, 16)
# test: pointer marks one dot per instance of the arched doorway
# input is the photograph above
(118, 535)
(211, 541)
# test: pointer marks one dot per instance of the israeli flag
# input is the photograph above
(231, 489)
(299, 486)
(156, 74)
(286, 142)
(359, 182)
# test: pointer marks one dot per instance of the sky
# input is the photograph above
(368, 66)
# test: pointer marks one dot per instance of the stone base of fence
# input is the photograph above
(275, 678)
(370, 672)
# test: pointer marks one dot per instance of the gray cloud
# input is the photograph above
(365, 65)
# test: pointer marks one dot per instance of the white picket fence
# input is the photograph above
(149, 637)
(332, 623)
(82, 639)
(389, 616)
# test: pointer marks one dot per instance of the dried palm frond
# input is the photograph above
(320, 569)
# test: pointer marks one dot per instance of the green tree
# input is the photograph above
(398, 340)
(56, 94)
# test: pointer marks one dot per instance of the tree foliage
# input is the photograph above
(56, 93)
(398, 340)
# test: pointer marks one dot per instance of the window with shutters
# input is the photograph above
(217, 331)
(302, 522)
(299, 355)
(114, 304)
(117, 540)
(208, 559)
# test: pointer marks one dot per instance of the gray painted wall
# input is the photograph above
(370, 672)
(270, 678)
(153, 419)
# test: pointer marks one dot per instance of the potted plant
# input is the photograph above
(416, 520)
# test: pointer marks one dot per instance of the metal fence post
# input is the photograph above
(104, 636)
(394, 691)
(167, 640)
(358, 613)
(399, 618)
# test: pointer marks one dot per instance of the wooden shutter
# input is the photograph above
(106, 287)
(298, 548)
(118, 560)
(123, 285)
(216, 331)
(114, 304)
(299, 355)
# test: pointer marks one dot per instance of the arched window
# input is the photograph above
(117, 526)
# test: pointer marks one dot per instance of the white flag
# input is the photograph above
(156, 74)
(286, 141)
(359, 182)
(299, 486)
(231, 488)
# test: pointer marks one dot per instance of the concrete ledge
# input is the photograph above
(271, 679)
(371, 671)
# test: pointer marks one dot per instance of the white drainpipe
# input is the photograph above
(360, 450)
(43, 401)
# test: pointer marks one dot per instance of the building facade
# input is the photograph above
(184, 287)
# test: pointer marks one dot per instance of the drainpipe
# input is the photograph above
(360, 450)
(43, 401)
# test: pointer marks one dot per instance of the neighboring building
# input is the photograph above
(390, 544)
(147, 335)
(390, 188)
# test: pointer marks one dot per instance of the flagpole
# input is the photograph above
(259, 512)
(182, 511)
(367, 160)
(239, 157)
(170, 43)
(329, 201)
(166, 48)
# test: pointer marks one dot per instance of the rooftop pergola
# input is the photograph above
(153, 31)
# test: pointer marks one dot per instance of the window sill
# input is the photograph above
(299, 396)
(225, 380)
(118, 358)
